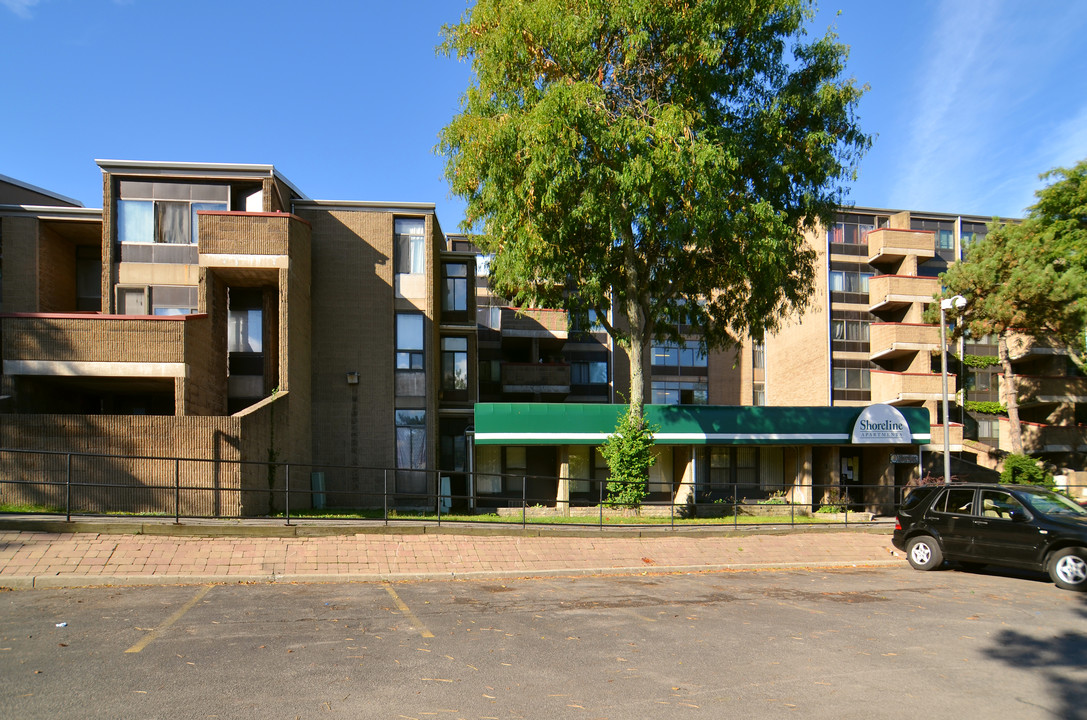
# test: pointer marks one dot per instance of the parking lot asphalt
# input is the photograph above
(43, 551)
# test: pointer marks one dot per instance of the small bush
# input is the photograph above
(1025, 470)
(629, 453)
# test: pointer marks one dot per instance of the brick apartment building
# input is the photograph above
(214, 313)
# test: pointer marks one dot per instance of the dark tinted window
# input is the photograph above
(955, 500)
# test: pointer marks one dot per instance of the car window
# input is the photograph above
(1050, 503)
(998, 504)
(955, 500)
(914, 498)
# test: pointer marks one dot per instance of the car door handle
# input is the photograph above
(981, 522)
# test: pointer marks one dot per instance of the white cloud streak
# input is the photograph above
(20, 7)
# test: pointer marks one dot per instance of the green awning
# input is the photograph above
(588, 424)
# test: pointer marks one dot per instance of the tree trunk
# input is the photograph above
(1011, 394)
(637, 321)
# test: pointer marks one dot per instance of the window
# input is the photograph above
(955, 500)
(852, 330)
(854, 282)
(409, 341)
(411, 439)
(410, 241)
(758, 394)
(455, 297)
(852, 379)
(680, 393)
(454, 363)
(483, 265)
(852, 229)
(997, 504)
(589, 373)
(943, 230)
(244, 330)
(758, 356)
(165, 212)
(989, 432)
(972, 232)
(673, 355)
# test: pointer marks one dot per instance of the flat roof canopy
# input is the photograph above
(576, 424)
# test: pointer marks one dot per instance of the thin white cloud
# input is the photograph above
(20, 7)
(952, 95)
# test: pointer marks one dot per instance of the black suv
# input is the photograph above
(1020, 526)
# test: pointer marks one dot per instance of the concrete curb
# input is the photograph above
(40, 582)
(258, 528)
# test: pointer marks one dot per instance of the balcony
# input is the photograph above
(888, 341)
(1054, 438)
(1035, 390)
(246, 239)
(894, 292)
(536, 378)
(1021, 346)
(534, 323)
(96, 345)
(908, 388)
(886, 245)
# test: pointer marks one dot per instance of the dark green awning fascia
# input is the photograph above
(589, 424)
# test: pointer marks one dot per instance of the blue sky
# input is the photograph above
(970, 99)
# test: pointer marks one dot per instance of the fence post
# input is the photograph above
(177, 492)
(438, 496)
(68, 490)
(524, 502)
(287, 493)
(385, 496)
(735, 509)
(600, 504)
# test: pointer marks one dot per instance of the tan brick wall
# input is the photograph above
(353, 331)
(245, 234)
(20, 238)
(798, 355)
(144, 485)
(94, 339)
(56, 272)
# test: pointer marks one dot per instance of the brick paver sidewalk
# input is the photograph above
(41, 559)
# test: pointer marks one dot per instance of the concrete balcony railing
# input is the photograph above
(893, 387)
(1021, 346)
(894, 340)
(1048, 390)
(887, 245)
(534, 322)
(542, 378)
(893, 292)
(233, 234)
(1053, 438)
(141, 346)
(954, 436)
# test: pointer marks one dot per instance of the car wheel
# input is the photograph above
(1068, 568)
(924, 553)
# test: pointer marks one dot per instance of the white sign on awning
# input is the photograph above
(881, 425)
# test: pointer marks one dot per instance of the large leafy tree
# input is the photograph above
(1030, 278)
(660, 159)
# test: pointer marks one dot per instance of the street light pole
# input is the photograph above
(959, 302)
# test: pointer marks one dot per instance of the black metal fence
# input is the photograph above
(87, 484)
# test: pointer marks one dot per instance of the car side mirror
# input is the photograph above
(1018, 516)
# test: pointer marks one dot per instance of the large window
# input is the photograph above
(411, 439)
(454, 364)
(852, 379)
(679, 393)
(854, 282)
(409, 341)
(410, 238)
(164, 212)
(851, 229)
(855, 330)
(673, 355)
(944, 230)
(589, 373)
(455, 297)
